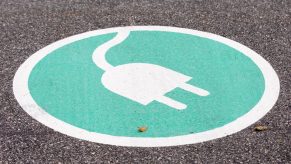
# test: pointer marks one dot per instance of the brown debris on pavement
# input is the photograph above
(142, 129)
(261, 128)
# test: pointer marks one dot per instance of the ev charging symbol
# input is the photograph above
(141, 82)
(92, 103)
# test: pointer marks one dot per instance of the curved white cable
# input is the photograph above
(100, 52)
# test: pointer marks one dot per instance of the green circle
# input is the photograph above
(67, 84)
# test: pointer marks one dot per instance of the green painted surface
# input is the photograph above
(66, 84)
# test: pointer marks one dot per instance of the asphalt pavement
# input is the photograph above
(29, 25)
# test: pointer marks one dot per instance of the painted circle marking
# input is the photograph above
(26, 92)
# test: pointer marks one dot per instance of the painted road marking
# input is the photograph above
(66, 88)
(141, 82)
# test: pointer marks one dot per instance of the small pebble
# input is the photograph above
(142, 129)
(261, 128)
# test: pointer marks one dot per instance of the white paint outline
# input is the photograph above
(268, 100)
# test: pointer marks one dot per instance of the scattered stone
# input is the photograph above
(142, 129)
(261, 128)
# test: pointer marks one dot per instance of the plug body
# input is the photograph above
(144, 83)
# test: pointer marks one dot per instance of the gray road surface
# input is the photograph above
(28, 25)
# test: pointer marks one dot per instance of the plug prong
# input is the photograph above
(171, 102)
(193, 89)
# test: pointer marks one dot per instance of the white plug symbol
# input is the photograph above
(141, 82)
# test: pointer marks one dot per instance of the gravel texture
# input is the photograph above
(28, 25)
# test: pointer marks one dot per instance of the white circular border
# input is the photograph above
(268, 100)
